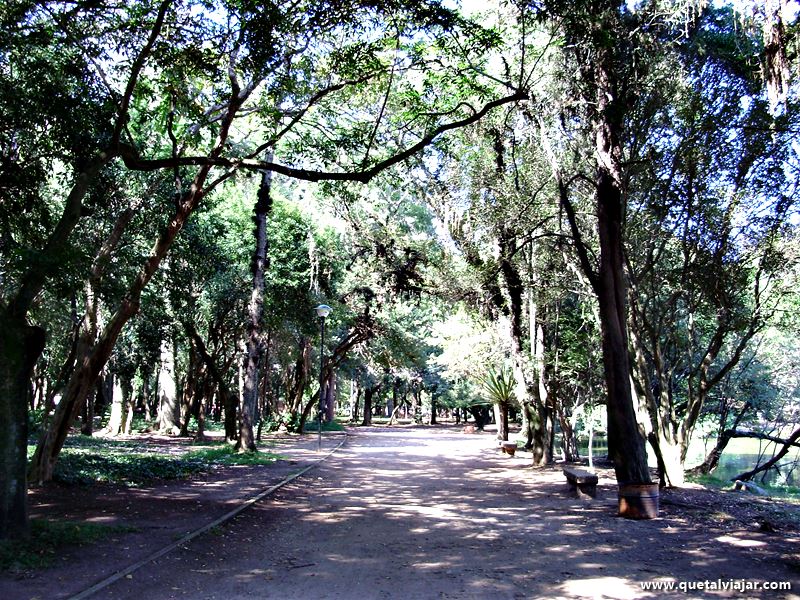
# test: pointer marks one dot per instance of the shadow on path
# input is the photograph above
(421, 513)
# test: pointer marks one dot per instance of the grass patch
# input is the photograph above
(86, 460)
(328, 426)
(48, 539)
(784, 492)
(226, 454)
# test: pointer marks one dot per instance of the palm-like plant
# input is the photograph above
(498, 384)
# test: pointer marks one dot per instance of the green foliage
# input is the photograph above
(326, 426)
(47, 541)
(226, 454)
(291, 420)
(87, 460)
(498, 385)
(35, 420)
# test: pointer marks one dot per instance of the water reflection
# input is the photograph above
(733, 462)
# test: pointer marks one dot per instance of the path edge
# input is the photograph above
(190, 536)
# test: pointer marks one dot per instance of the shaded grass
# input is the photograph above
(47, 541)
(87, 460)
(784, 492)
(327, 426)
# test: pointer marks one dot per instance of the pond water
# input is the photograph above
(741, 455)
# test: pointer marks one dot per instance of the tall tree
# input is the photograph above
(30, 38)
(255, 344)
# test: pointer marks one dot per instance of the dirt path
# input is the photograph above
(422, 513)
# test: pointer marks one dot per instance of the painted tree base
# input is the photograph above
(639, 501)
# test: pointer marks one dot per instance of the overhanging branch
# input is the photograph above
(132, 161)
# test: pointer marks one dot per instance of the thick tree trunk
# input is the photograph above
(542, 449)
(127, 406)
(20, 347)
(416, 405)
(147, 401)
(625, 443)
(368, 393)
(259, 266)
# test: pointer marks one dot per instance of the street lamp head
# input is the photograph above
(323, 310)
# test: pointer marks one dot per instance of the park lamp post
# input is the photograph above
(323, 310)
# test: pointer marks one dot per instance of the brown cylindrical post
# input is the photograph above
(638, 501)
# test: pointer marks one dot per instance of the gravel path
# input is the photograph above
(423, 513)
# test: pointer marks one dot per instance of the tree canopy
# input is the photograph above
(549, 206)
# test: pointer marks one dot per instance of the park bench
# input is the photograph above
(581, 481)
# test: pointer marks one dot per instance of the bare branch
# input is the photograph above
(363, 175)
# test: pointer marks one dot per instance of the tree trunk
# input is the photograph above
(226, 398)
(542, 429)
(416, 406)
(127, 406)
(20, 347)
(540, 421)
(330, 397)
(355, 394)
(87, 410)
(391, 401)
(189, 395)
(147, 401)
(625, 444)
(712, 459)
(116, 422)
(168, 405)
(205, 406)
(259, 266)
(368, 393)
(569, 442)
(501, 417)
(527, 424)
